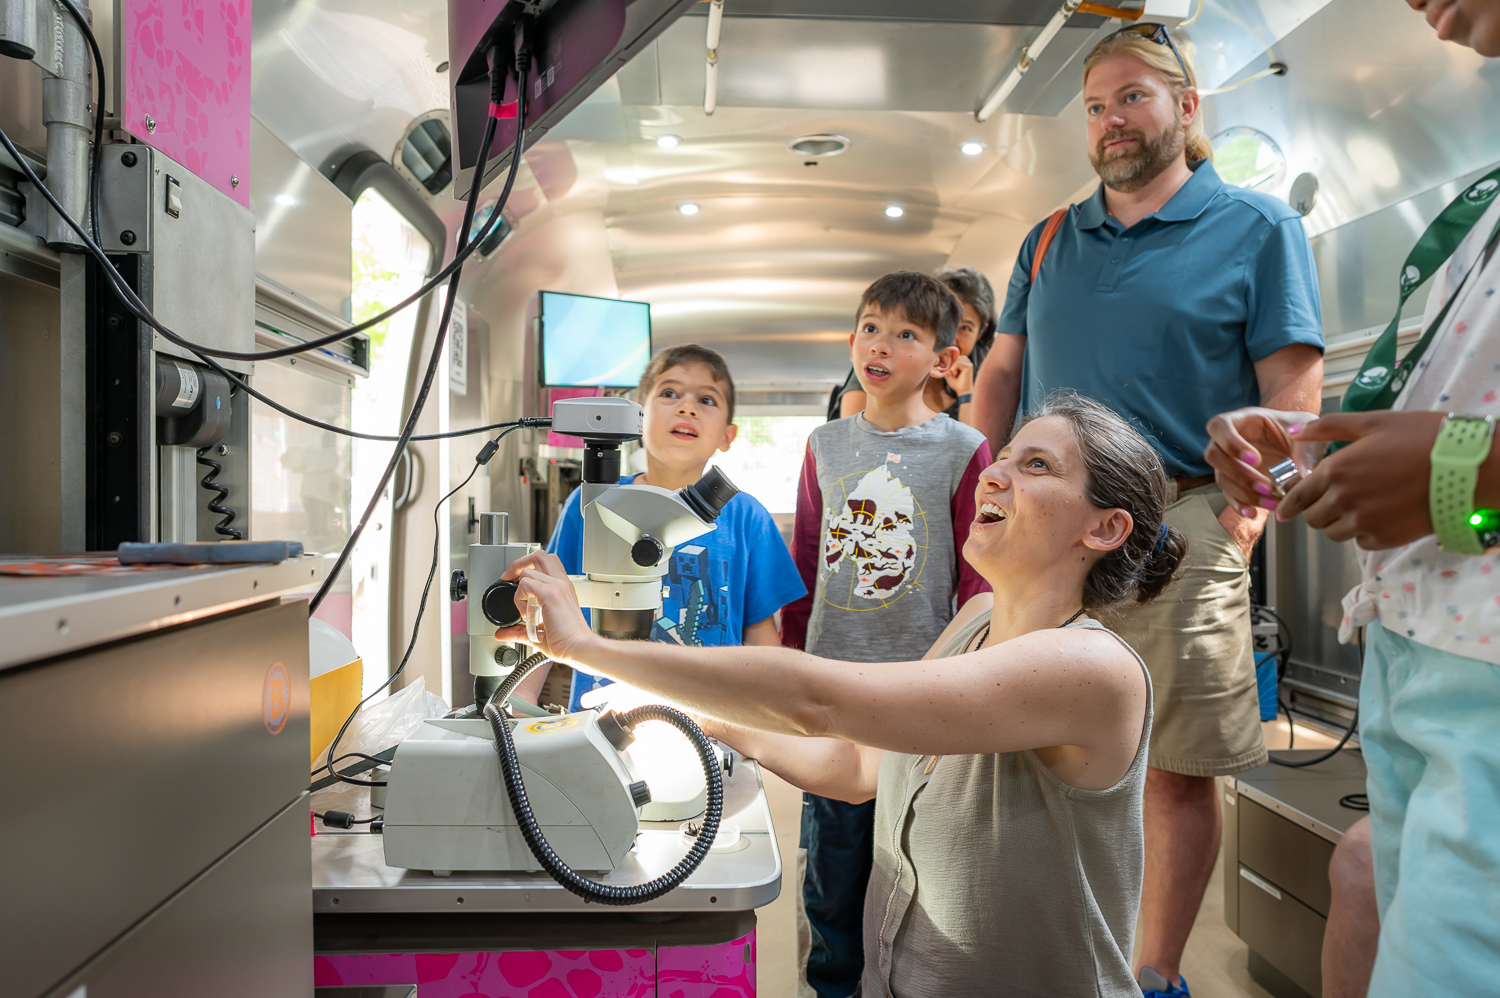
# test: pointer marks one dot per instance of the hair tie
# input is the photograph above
(1161, 540)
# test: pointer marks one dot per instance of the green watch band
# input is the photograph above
(1461, 447)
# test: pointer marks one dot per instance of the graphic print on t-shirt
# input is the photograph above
(876, 540)
(694, 600)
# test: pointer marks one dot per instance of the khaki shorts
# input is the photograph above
(1195, 640)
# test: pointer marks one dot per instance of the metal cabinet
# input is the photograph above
(1280, 829)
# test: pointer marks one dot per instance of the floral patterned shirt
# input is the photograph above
(1446, 601)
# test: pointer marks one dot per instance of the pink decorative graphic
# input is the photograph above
(186, 85)
(723, 971)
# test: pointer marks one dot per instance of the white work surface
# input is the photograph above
(349, 874)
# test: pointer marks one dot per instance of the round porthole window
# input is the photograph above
(1246, 157)
(425, 154)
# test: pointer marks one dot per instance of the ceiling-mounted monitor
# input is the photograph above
(578, 44)
(594, 342)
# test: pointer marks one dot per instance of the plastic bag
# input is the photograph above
(377, 728)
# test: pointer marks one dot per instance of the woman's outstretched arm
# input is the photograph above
(828, 767)
(1067, 688)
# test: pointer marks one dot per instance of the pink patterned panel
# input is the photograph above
(726, 970)
(187, 70)
(723, 971)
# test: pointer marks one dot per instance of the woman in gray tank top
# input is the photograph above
(1008, 776)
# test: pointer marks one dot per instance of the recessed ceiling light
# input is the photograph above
(668, 141)
(971, 148)
(688, 209)
(894, 211)
(819, 145)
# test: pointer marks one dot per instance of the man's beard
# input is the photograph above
(1131, 171)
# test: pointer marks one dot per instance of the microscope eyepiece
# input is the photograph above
(710, 494)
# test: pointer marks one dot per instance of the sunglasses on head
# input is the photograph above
(1156, 32)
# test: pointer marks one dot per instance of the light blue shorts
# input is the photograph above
(1429, 723)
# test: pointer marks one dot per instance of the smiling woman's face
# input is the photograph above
(1032, 508)
(1472, 23)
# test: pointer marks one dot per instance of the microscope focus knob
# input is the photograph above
(640, 793)
(647, 551)
(499, 605)
(458, 585)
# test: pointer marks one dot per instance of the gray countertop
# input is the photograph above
(1309, 797)
(43, 616)
(350, 875)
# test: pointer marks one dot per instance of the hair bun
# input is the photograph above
(1161, 567)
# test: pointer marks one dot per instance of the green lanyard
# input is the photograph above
(1381, 377)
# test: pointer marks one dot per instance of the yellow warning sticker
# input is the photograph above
(551, 724)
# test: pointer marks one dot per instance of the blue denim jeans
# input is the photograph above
(839, 839)
(1430, 731)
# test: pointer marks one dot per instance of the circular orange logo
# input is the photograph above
(276, 698)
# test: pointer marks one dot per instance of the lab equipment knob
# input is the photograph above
(640, 793)
(507, 657)
(614, 732)
(458, 586)
(499, 605)
(647, 551)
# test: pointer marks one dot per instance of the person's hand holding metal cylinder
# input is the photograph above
(1246, 444)
(1374, 490)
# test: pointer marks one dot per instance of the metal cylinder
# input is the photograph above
(494, 528)
(627, 625)
(18, 35)
(65, 111)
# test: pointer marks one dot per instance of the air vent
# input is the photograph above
(818, 145)
(427, 154)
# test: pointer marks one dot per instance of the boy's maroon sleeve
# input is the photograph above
(963, 509)
(805, 546)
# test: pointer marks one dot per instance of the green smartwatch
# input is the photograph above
(1462, 445)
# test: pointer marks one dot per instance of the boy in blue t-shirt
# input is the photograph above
(724, 587)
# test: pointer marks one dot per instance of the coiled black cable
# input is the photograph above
(591, 890)
(559, 871)
(216, 504)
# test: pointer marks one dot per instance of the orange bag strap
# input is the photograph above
(1048, 232)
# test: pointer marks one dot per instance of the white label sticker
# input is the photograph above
(187, 386)
(458, 348)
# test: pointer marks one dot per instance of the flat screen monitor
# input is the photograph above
(594, 342)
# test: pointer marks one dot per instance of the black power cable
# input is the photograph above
(203, 350)
(520, 804)
(1291, 725)
(482, 458)
(497, 89)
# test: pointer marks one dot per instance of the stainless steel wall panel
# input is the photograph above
(863, 65)
(133, 768)
(1374, 104)
(1359, 261)
(302, 224)
(31, 489)
(244, 929)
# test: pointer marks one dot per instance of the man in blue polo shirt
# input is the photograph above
(1171, 297)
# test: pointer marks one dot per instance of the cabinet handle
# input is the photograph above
(1264, 885)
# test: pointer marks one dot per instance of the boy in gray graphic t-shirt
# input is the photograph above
(883, 510)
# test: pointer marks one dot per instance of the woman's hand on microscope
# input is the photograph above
(563, 635)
